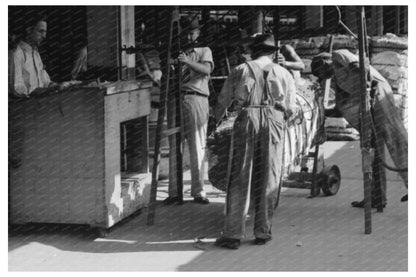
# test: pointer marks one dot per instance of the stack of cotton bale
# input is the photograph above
(309, 47)
(390, 59)
(339, 129)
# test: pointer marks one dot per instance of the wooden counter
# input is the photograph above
(69, 145)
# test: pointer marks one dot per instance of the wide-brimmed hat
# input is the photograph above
(264, 41)
(189, 23)
(320, 60)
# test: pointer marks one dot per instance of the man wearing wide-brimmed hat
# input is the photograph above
(197, 65)
(264, 93)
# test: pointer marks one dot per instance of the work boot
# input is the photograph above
(201, 200)
(360, 204)
(261, 241)
(404, 198)
(228, 243)
(171, 200)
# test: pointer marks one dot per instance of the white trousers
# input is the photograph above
(195, 112)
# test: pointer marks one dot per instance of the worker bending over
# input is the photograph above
(343, 67)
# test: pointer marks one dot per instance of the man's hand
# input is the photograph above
(20, 90)
(212, 125)
(281, 60)
(184, 58)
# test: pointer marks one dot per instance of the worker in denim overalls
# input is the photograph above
(264, 93)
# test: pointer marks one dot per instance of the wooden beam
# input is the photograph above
(351, 18)
(127, 38)
(314, 17)
(376, 21)
(405, 19)
(103, 33)
(397, 20)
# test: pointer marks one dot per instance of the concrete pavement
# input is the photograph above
(320, 234)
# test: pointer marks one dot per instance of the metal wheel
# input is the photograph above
(330, 180)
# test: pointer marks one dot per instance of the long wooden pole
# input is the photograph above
(321, 99)
(160, 119)
(366, 150)
(179, 121)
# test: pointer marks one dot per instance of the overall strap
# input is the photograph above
(261, 94)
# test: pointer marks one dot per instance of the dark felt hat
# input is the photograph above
(320, 60)
(189, 23)
(264, 41)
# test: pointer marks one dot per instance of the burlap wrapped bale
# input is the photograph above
(308, 52)
(338, 129)
(299, 137)
(391, 58)
(388, 42)
(218, 149)
(393, 67)
(342, 135)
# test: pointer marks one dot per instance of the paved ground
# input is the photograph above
(321, 234)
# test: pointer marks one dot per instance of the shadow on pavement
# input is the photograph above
(318, 234)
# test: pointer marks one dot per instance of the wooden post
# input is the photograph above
(397, 20)
(127, 38)
(314, 17)
(158, 137)
(321, 99)
(103, 40)
(405, 19)
(179, 137)
(366, 150)
(376, 20)
(257, 26)
(351, 18)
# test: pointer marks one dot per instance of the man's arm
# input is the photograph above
(200, 67)
(226, 95)
(19, 88)
(290, 59)
(205, 63)
(290, 95)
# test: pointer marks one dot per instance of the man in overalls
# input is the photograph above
(264, 93)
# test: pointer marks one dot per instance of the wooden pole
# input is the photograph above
(365, 133)
(321, 99)
(179, 118)
(158, 136)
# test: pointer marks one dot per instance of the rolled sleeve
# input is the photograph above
(206, 56)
